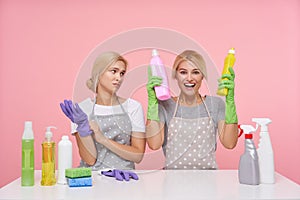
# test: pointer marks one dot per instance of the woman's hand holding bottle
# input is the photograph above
(227, 81)
(152, 113)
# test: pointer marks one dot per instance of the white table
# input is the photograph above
(159, 184)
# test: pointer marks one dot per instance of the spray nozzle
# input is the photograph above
(155, 52)
(263, 123)
(49, 134)
(231, 51)
(248, 129)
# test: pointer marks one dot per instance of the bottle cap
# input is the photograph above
(28, 133)
(49, 134)
(231, 51)
(155, 52)
(28, 124)
(65, 137)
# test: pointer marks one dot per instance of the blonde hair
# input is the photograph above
(102, 62)
(193, 57)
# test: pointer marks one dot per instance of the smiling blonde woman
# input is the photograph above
(186, 126)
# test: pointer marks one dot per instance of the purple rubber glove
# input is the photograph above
(120, 175)
(77, 116)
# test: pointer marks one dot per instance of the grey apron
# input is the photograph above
(191, 143)
(116, 127)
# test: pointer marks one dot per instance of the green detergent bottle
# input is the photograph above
(27, 178)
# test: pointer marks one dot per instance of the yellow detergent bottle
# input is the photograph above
(229, 62)
(48, 159)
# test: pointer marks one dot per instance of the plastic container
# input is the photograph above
(229, 62)
(162, 92)
(27, 177)
(248, 167)
(265, 152)
(64, 158)
(48, 159)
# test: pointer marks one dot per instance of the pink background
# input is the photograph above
(44, 43)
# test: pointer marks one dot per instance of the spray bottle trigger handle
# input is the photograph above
(241, 130)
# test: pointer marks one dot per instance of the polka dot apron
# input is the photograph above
(191, 143)
(116, 127)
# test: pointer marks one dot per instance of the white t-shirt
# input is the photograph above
(132, 107)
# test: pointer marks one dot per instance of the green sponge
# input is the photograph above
(78, 172)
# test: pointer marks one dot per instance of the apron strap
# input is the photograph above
(205, 107)
(121, 105)
(176, 107)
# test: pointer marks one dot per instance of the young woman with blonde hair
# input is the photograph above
(186, 126)
(109, 130)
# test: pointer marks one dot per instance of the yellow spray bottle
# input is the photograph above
(48, 159)
(229, 62)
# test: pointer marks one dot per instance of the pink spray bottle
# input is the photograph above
(162, 92)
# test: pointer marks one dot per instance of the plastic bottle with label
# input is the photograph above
(162, 92)
(248, 167)
(229, 62)
(27, 177)
(64, 158)
(48, 159)
(265, 152)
